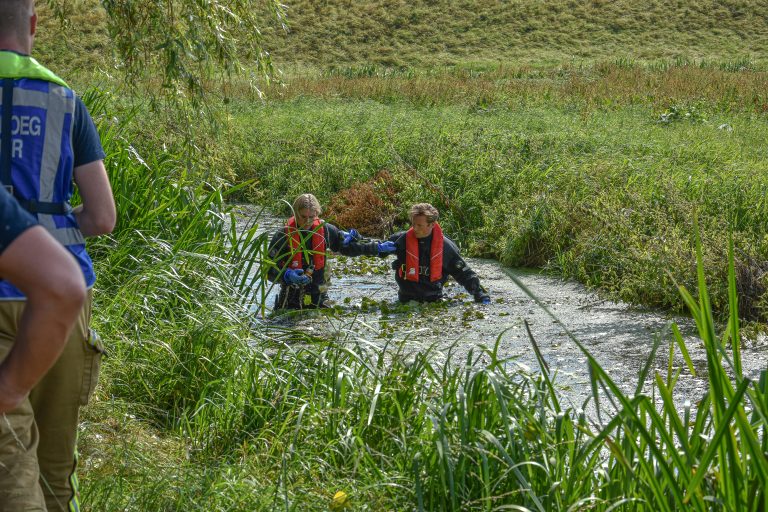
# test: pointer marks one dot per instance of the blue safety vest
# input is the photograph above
(36, 155)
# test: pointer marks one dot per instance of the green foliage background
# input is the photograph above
(577, 136)
(425, 33)
(586, 137)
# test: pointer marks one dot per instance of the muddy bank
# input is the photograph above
(618, 336)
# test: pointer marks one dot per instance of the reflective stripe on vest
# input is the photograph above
(59, 107)
(41, 153)
(45, 94)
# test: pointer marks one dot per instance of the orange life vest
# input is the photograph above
(318, 244)
(412, 255)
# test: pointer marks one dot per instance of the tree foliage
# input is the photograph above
(182, 43)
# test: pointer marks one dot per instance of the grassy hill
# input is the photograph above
(429, 32)
(423, 33)
(79, 43)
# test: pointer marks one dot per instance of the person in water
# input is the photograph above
(425, 258)
(298, 255)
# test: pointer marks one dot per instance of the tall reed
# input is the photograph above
(201, 409)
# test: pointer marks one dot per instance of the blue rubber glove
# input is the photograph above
(387, 247)
(353, 235)
(484, 300)
(296, 277)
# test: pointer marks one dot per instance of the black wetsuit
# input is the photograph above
(312, 295)
(428, 291)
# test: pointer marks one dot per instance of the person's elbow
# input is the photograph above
(73, 290)
(104, 223)
(47, 274)
(63, 291)
(97, 221)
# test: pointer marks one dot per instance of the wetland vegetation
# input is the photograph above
(630, 162)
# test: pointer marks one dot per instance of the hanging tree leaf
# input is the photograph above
(186, 42)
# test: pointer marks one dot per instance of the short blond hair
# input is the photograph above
(307, 201)
(425, 209)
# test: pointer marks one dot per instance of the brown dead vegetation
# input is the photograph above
(370, 206)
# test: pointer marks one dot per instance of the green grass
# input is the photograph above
(581, 137)
(78, 47)
(426, 33)
(594, 173)
(603, 195)
(200, 411)
(337, 35)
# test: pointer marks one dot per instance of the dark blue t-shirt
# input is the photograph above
(85, 139)
(13, 219)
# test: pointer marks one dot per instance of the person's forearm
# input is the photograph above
(355, 249)
(43, 331)
(96, 215)
(469, 280)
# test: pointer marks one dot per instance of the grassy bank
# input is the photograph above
(595, 171)
(336, 34)
(600, 188)
(199, 410)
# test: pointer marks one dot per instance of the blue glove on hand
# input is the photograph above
(484, 300)
(353, 235)
(296, 277)
(387, 247)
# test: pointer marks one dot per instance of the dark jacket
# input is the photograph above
(425, 290)
(279, 251)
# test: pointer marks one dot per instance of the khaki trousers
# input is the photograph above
(38, 439)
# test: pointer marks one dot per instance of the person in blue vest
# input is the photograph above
(298, 255)
(55, 291)
(425, 259)
(49, 145)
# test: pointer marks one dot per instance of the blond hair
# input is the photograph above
(307, 201)
(425, 209)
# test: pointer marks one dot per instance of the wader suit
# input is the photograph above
(423, 265)
(292, 248)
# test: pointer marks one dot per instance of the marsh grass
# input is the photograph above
(726, 86)
(605, 195)
(547, 164)
(200, 410)
(590, 167)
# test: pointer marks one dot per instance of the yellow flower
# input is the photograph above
(340, 501)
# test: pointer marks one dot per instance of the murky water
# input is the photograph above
(618, 336)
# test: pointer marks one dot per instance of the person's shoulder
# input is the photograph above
(279, 233)
(15, 219)
(81, 110)
(398, 238)
(450, 244)
(330, 230)
(328, 225)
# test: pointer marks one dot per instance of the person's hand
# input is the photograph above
(296, 277)
(387, 248)
(483, 299)
(350, 237)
